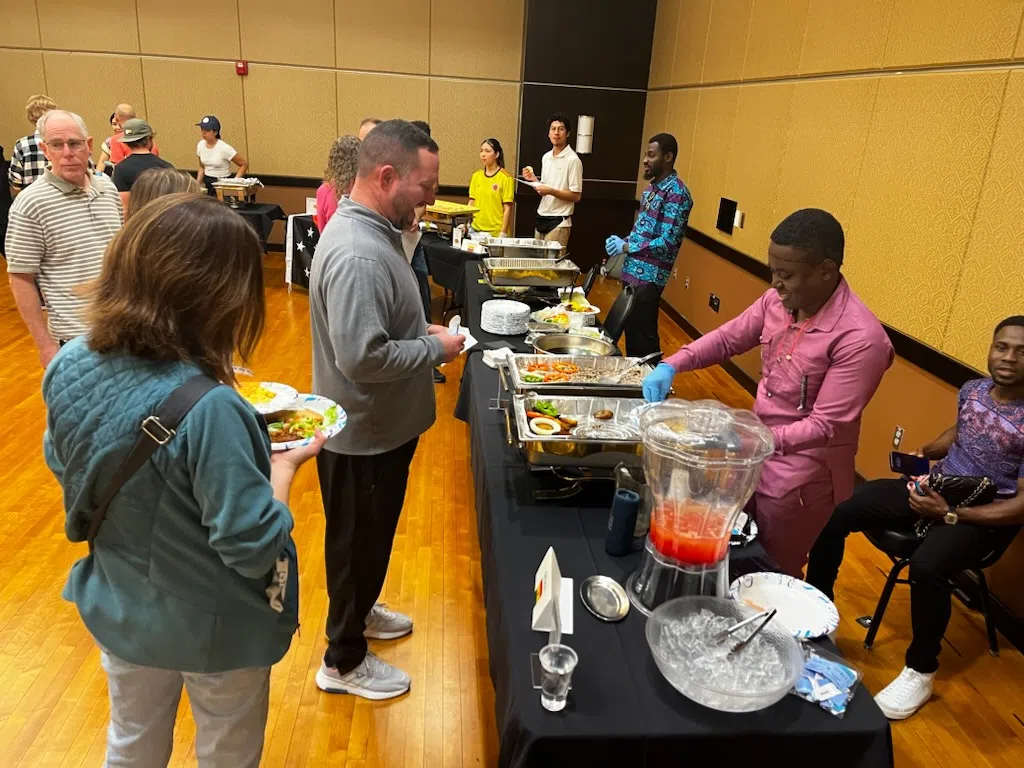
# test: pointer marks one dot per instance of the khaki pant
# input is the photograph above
(556, 235)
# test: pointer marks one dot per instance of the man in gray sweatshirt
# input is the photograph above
(373, 353)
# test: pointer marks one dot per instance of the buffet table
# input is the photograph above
(621, 711)
(447, 265)
(261, 217)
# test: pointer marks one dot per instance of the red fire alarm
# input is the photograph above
(242, 67)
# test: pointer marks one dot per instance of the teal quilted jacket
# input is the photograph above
(189, 546)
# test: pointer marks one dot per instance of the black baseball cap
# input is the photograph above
(209, 123)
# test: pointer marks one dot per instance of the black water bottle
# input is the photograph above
(621, 522)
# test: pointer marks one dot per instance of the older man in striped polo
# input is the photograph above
(59, 229)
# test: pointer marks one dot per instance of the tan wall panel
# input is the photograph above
(845, 35)
(759, 143)
(381, 96)
(655, 121)
(775, 39)
(992, 282)
(914, 207)
(273, 98)
(1018, 53)
(98, 25)
(727, 40)
(288, 33)
(364, 42)
(21, 76)
(829, 123)
(175, 105)
(709, 163)
(943, 31)
(477, 38)
(691, 42)
(93, 84)
(20, 25)
(189, 28)
(664, 46)
(681, 123)
(462, 115)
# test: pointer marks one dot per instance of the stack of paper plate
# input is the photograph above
(504, 317)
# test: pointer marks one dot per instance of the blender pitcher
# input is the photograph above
(702, 460)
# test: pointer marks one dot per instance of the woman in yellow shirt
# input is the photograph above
(491, 190)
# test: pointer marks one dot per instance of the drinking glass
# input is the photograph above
(557, 663)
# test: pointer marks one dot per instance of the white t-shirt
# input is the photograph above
(216, 160)
(562, 172)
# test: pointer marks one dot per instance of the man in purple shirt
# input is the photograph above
(986, 441)
(823, 354)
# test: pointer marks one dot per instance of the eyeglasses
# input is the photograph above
(73, 144)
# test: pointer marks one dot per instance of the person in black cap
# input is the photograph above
(216, 155)
(137, 136)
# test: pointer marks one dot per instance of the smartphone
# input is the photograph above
(908, 464)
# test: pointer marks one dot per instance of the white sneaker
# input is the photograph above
(385, 624)
(906, 694)
(373, 679)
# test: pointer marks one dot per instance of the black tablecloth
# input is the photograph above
(447, 265)
(621, 711)
(301, 242)
(261, 217)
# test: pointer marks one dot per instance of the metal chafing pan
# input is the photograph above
(577, 450)
(523, 248)
(602, 366)
(530, 272)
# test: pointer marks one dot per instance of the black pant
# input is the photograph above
(363, 498)
(419, 266)
(943, 553)
(642, 324)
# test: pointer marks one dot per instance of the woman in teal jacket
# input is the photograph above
(175, 590)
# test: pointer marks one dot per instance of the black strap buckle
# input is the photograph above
(153, 422)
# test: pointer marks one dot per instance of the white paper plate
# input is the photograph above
(321, 405)
(285, 396)
(802, 608)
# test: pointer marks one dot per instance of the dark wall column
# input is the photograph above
(588, 57)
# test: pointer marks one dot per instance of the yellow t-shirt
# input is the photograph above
(490, 195)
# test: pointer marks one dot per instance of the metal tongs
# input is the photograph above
(766, 615)
(615, 378)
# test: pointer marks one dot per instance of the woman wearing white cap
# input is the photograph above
(216, 155)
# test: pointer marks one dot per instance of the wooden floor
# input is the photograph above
(53, 705)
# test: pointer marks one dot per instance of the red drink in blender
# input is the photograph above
(690, 533)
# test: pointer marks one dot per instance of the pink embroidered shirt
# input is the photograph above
(816, 378)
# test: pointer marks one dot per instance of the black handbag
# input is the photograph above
(545, 224)
(958, 491)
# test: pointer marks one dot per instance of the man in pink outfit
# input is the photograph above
(823, 354)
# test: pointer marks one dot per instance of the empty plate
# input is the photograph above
(605, 598)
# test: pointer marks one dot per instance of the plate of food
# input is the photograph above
(803, 609)
(267, 396)
(296, 425)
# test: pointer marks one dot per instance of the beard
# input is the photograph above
(649, 173)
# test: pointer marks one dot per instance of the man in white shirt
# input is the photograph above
(560, 185)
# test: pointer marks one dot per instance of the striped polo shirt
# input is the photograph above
(59, 232)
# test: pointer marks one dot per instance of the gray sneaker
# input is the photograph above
(373, 679)
(385, 624)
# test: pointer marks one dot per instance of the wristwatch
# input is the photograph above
(951, 517)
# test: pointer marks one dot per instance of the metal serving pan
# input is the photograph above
(522, 248)
(530, 272)
(598, 367)
(578, 450)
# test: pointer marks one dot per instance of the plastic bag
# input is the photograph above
(828, 680)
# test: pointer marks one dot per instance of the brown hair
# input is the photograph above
(342, 164)
(157, 182)
(37, 105)
(182, 280)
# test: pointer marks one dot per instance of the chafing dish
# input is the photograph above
(599, 368)
(593, 443)
(530, 272)
(573, 344)
(523, 248)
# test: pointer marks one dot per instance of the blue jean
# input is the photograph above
(419, 266)
(230, 710)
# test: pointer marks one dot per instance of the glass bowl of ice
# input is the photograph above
(682, 636)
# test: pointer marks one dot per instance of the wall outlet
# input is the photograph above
(686, 283)
(715, 303)
(897, 438)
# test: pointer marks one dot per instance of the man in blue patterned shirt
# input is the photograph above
(653, 243)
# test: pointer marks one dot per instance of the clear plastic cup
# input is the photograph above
(557, 664)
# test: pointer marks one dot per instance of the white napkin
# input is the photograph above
(492, 357)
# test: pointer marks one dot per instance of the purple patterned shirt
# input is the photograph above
(990, 438)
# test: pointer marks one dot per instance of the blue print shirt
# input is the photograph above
(657, 232)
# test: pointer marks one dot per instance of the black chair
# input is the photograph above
(615, 323)
(898, 546)
(588, 281)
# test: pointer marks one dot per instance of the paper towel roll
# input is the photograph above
(584, 134)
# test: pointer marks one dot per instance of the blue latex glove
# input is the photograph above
(658, 382)
(614, 245)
